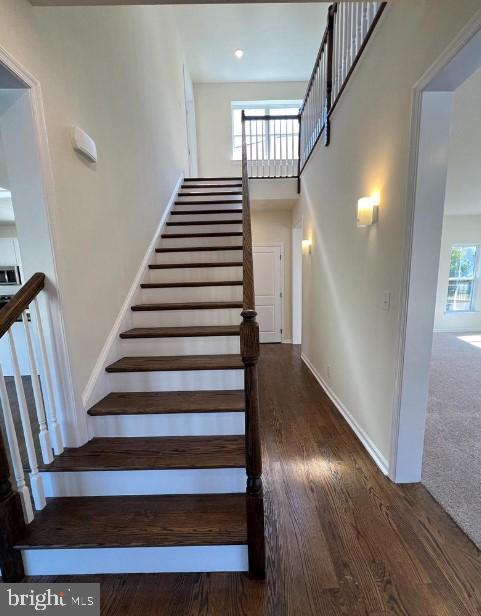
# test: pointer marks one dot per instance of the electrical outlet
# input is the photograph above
(386, 300)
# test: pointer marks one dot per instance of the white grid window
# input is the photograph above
(275, 142)
(462, 278)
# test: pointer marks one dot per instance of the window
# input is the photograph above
(271, 143)
(462, 279)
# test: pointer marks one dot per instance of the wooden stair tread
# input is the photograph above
(186, 223)
(187, 306)
(217, 234)
(152, 453)
(191, 212)
(138, 521)
(169, 402)
(208, 193)
(173, 285)
(197, 248)
(196, 264)
(181, 332)
(167, 363)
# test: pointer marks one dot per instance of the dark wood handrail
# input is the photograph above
(20, 302)
(250, 350)
(327, 47)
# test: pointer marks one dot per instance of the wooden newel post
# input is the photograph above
(249, 336)
(11, 523)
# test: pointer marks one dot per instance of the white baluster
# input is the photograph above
(44, 436)
(36, 481)
(365, 19)
(54, 428)
(15, 452)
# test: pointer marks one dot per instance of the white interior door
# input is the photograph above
(268, 290)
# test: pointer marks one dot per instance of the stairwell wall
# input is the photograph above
(117, 73)
(349, 341)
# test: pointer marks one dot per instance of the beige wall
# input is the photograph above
(456, 230)
(275, 227)
(214, 124)
(349, 338)
(117, 73)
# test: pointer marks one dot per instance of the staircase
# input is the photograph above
(162, 485)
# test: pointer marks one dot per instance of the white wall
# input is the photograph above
(348, 338)
(275, 227)
(463, 184)
(117, 73)
(214, 123)
(456, 230)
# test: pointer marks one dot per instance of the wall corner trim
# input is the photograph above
(373, 451)
(95, 387)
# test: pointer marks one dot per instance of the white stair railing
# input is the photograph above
(48, 436)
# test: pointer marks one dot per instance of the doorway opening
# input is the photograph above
(438, 414)
(26, 235)
(297, 282)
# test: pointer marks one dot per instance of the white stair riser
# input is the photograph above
(191, 294)
(207, 206)
(135, 560)
(209, 256)
(202, 345)
(169, 424)
(194, 228)
(201, 217)
(138, 482)
(209, 198)
(188, 380)
(195, 274)
(181, 242)
(179, 318)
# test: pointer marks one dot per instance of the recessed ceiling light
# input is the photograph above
(239, 53)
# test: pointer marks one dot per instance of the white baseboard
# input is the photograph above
(177, 559)
(371, 448)
(97, 386)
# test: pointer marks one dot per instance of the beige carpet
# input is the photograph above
(452, 445)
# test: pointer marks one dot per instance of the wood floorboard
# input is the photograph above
(341, 538)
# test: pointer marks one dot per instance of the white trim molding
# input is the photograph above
(97, 385)
(366, 441)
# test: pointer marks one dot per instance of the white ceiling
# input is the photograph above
(280, 41)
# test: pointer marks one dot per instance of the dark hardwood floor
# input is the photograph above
(341, 539)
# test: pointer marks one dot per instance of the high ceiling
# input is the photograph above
(280, 41)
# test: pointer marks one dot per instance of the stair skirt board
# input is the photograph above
(180, 318)
(192, 294)
(170, 424)
(209, 256)
(78, 561)
(202, 345)
(138, 482)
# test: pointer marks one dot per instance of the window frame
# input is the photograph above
(474, 278)
(267, 106)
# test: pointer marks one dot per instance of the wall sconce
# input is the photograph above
(307, 246)
(367, 210)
